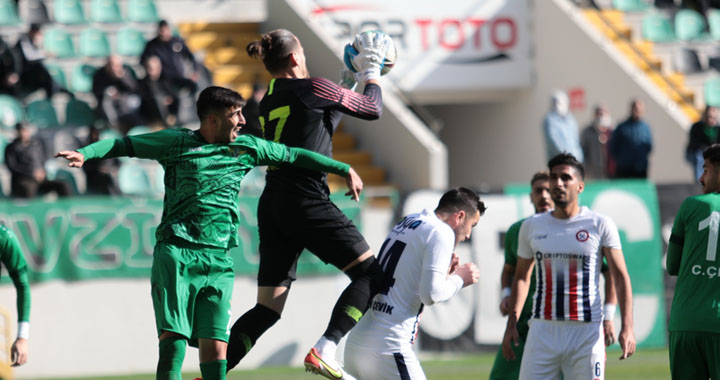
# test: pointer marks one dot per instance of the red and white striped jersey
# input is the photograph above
(568, 258)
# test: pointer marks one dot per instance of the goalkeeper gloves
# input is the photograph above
(371, 54)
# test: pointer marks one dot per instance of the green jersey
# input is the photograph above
(13, 260)
(202, 180)
(693, 257)
(511, 256)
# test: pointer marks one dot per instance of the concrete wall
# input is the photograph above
(497, 143)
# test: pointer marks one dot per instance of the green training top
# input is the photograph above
(202, 180)
(12, 258)
(693, 257)
(511, 247)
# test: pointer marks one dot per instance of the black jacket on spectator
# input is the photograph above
(172, 55)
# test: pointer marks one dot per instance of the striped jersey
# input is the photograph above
(568, 260)
(415, 258)
(304, 113)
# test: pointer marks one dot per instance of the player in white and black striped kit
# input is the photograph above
(420, 269)
(567, 245)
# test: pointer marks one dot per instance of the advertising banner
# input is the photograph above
(464, 46)
(89, 238)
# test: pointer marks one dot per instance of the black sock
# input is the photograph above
(246, 331)
(355, 299)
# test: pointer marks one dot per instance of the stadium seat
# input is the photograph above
(57, 74)
(94, 43)
(130, 42)
(41, 113)
(109, 133)
(79, 114)
(139, 130)
(686, 61)
(11, 111)
(81, 80)
(33, 12)
(712, 92)
(69, 12)
(57, 42)
(713, 18)
(105, 11)
(142, 11)
(689, 25)
(133, 179)
(630, 5)
(8, 13)
(3, 144)
(657, 28)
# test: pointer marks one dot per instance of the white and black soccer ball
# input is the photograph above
(351, 50)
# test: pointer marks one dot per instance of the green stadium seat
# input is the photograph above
(79, 114)
(57, 74)
(689, 25)
(3, 144)
(657, 28)
(94, 43)
(11, 111)
(139, 130)
(130, 42)
(133, 179)
(8, 13)
(81, 79)
(41, 114)
(630, 5)
(105, 11)
(57, 42)
(109, 133)
(142, 11)
(713, 18)
(69, 12)
(712, 92)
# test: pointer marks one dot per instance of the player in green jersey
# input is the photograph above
(192, 274)
(504, 369)
(14, 262)
(693, 257)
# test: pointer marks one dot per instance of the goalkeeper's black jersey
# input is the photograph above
(304, 113)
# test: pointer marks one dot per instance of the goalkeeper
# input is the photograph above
(295, 211)
(192, 273)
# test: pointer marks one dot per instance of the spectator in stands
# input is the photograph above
(159, 98)
(594, 141)
(174, 55)
(118, 95)
(102, 175)
(9, 69)
(702, 134)
(30, 56)
(561, 129)
(251, 111)
(24, 158)
(631, 143)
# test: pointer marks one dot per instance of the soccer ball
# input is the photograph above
(351, 50)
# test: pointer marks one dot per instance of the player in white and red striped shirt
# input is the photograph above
(567, 245)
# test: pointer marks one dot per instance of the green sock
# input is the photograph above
(214, 370)
(172, 354)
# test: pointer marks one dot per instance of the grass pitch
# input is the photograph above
(645, 364)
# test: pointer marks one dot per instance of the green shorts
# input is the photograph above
(504, 369)
(191, 290)
(694, 355)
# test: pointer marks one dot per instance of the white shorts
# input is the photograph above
(571, 348)
(369, 365)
